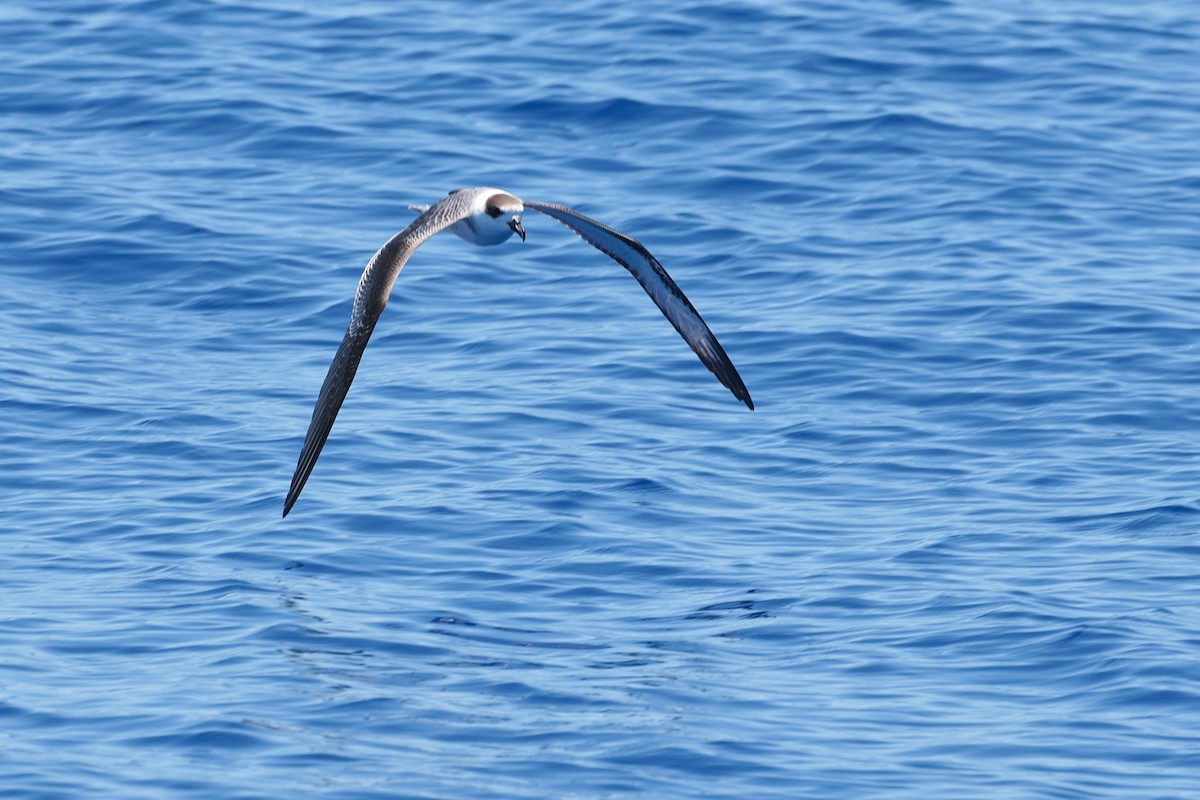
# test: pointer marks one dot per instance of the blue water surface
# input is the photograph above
(951, 246)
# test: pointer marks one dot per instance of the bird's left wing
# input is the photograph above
(670, 299)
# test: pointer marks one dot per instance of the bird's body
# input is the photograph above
(490, 215)
(486, 216)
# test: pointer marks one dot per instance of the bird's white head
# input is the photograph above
(506, 209)
(494, 216)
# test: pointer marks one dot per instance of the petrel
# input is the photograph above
(488, 216)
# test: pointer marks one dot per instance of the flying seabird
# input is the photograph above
(487, 216)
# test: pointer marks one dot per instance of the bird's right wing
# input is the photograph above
(374, 288)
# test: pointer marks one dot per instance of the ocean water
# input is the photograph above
(952, 248)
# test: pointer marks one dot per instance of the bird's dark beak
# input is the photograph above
(517, 229)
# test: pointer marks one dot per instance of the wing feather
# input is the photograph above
(666, 294)
(374, 288)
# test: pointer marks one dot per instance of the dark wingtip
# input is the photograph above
(293, 495)
(741, 392)
(714, 357)
(333, 392)
(299, 480)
